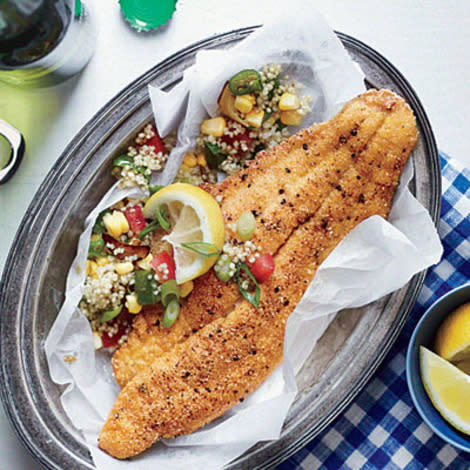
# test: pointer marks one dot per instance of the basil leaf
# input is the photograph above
(145, 287)
(96, 247)
(214, 155)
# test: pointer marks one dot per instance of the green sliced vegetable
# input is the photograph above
(153, 188)
(246, 225)
(99, 227)
(124, 160)
(110, 314)
(214, 155)
(150, 228)
(146, 287)
(169, 291)
(96, 247)
(246, 81)
(172, 311)
(202, 248)
(162, 220)
(252, 298)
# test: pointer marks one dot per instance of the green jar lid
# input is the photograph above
(145, 15)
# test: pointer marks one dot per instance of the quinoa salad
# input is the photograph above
(133, 259)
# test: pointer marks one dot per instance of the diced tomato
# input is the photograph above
(123, 320)
(157, 142)
(161, 259)
(262, 268)
(136, 219)
(240, 138)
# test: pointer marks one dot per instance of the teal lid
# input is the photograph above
(145, 15)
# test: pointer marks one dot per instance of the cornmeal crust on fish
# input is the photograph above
(283, 187)
(197, 380)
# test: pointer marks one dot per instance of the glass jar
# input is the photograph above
(43, 42)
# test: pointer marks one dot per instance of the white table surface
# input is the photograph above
(428, 41)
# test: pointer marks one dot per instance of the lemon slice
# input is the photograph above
(453, 336)
(447, 387)
(194, 216)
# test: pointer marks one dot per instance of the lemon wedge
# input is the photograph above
(447, 387)
(453, 337)
(194, 216)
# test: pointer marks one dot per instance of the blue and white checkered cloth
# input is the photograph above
(381, 428)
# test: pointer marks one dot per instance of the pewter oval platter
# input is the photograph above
(32, 288)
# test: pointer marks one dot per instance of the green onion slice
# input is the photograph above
(246, 225)
(253, 299)
(110, 314)
(172, 311)
(162, 220)
(169, 291)
(202, 248)
(150, 228)
(246, 81)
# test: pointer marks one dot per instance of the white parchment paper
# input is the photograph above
(375, 259)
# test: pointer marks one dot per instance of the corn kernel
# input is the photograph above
(190, 160)
(186, 288)
(132, 305)
(124, 268)
(116, 223)
(255, 118)
(90, 267)
(97, 341)
(201, 160)
(289, 102)
(102, 261)
(291, 118)
(244, 103)
(145, 263)
(214, 126)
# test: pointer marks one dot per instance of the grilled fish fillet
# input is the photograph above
(199, 379)
(283, 187)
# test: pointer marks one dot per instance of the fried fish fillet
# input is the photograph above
(199, 379)
(283, 187)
